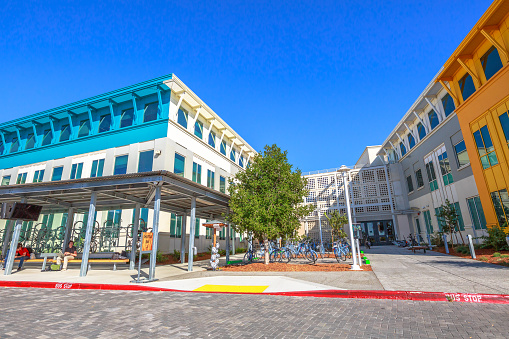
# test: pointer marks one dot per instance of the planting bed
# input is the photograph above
(282, 267)
(484, 254)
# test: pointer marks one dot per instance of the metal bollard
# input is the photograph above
(429, 243)
(359, 252)
(471, 246)
(446, 245)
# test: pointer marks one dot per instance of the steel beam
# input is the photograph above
(135, 236)
(155, 232)
(183, 240)
(192, 227)
(14, 245)
(88, 234)
(68, 227)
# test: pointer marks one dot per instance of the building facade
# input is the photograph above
(159, 124)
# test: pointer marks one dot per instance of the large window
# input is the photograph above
(127, 118)
(6, 180)
(57, 173)
(461, 224)
(500, 201)
(232, 154)
(433, 119)
(197, 227)
(114, 218)
(150, 112)
(22, 178)
(196, 173)
(120, 164)
(403, 149)
(222, 148)
(241, 161)
(504, 121)
(419, 179)
(445, 168)
(485, 147)
(410, 184)
(210, 179)
(180, 162)
(30, 141)
(432, 178)
(46, 139)
(198, 129)
(476, 213)
(448, 104)
(421, 131)
(145, 162)
(440, 220)
(176, 226)
(105, 123)
(212, 139)
(491, 62)
(182, 118)
(461, 153)
(76, 170)
(14, 145)
(38, 176)
(427, 221)
(84, 128)
(411, 140)
(2, 148)
(467, 87)
(222, 184)
(65, 133)
(97, 168)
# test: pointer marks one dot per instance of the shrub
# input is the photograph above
(495, 239)
(241, 250)
(176, 255)
(437, 239)
(463, 249)
(496, 254)
(159, 257)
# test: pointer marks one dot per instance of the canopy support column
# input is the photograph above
(7, 236)
(14, 244)
(136, 227)
(68, 228)
(228, 232)
(183, 240)
(155, 232)
(88, 234)
(192, 228)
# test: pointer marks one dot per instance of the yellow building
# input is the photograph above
(477, 77)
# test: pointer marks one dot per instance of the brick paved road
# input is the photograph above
(43, 313)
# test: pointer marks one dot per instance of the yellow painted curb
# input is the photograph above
(231, 288)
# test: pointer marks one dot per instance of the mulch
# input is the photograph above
(482, 254)
(283, 267)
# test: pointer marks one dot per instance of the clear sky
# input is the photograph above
(322, 79)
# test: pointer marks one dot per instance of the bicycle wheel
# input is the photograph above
(336, 254)
(248, 257)
(343, 255)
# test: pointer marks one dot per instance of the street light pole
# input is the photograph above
(355, 266)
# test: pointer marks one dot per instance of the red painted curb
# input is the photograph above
(358, 294)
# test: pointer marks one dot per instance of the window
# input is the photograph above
(467, 87)
(76, 170)
(2, 148)
(485, 147)
(150, 113)
(241, 161)
(84, 128)
(197, 228)
(411, 141)
(65, 133)
(57, 173)
(105, 123)
(208, 233)
(440, 221)
(222, 148)
(445, 168)
(403, 149)
(432, 178)
(433, 119)
(222, 233)
(178, 167)
(22, 178)
(113, 218)
(127, 118)
(97, 168)
(448, 104)
(222, 184)
(120, 165)
(182, 118)
(491, 62)
(419, 179)
(410, 184)
(504, 121)
(145, 161)
(46, 139)
(418, 225)
(212, 139)
(30, 141)
(461, 224)
(427, 221)
(38, 176)
(421, 131)
(198, 129)
(210, 179)
(196, 173)
(476, 213)
(6, 180)
(232, 154)
(175, 226)
(500, 201)
(461, 153)
(14, 145)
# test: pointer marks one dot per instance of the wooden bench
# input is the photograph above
(416, 248)
(100, 259)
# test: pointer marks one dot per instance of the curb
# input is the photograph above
(351, 294)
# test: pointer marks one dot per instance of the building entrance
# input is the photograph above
(380, 232)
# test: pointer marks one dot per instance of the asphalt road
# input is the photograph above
(48, 313)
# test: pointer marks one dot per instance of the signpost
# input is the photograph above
(147, 239)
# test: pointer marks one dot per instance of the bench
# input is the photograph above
(99, 258)
(416, 248)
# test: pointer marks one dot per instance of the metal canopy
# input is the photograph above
(123, 191)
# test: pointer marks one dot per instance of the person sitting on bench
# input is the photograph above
(69, 254)
(21, 254)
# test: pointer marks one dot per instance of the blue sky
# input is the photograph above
(322, 79)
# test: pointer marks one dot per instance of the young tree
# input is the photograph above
(337, 221)
(450, 216)
(266, 198)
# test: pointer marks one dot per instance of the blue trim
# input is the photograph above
(116, 138)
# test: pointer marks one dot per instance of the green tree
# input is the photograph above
(450, 217)
(336, 222)
(266, 198)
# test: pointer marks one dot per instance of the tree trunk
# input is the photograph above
(266, 245)
(461, 235)
(452, 241)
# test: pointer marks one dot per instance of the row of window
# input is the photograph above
(484, 144)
